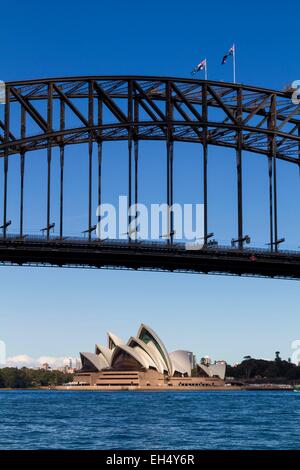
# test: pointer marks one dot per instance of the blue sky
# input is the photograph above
(59, 312)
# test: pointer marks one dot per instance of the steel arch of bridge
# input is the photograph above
(66, 111)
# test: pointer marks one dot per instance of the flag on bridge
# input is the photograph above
(201, 66)
(229, 53)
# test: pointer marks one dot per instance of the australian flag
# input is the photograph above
(229, 53)
(200, 66)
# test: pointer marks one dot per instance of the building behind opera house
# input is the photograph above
(144, 362)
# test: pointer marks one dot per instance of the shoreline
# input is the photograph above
(270, 388)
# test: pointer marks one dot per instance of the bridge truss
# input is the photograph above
(94, 110)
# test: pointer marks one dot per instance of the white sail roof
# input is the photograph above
(148, 336)
(181, 362)
(91, 361)
(105, 352)
(113, 340)
(132, 352)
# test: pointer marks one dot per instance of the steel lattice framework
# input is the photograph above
(93, 109)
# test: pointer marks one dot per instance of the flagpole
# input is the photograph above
(234, 64)
(205, 74)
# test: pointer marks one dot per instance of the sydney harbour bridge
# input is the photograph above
(48, 114)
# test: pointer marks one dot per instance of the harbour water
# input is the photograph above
(149, 420)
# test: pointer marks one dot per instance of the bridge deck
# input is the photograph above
(72, 252)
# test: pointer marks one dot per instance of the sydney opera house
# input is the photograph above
(144, 362)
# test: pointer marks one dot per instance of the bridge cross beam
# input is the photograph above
(6, 156)
(90, 154)
(170, 160)
(62, 164)
(136, 156)
(130, 140)
(49, 155)
(272, 149)
(99, 152)
(205, 156)
(22, 170)
(133, 151)
(239, 118)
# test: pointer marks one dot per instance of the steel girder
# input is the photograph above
(148, 256)
(64, 111)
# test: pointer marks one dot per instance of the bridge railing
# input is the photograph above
(148, 244)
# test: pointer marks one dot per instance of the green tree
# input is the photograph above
(11, 377)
